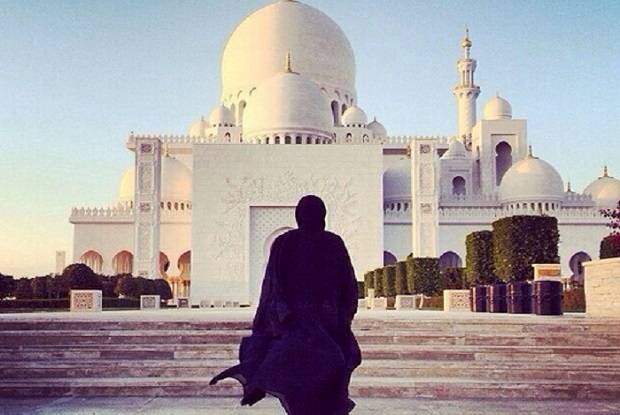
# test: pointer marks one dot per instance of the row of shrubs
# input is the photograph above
(412, 276)
(508, 251)
(82, 277)
(63, 304)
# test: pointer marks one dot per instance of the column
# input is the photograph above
(146, 207)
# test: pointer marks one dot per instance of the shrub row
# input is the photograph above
(508, 252)
(81, 277)
(63, 303)
(415, 275)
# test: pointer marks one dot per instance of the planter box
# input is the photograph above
(602, 287)
(183, 302)
(86, 300)
(549, 272)
(150, 302)
(405, 302)
(379, 303)
(457, 300)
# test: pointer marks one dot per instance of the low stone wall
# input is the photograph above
(602, 287)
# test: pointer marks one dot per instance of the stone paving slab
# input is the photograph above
(230, 406)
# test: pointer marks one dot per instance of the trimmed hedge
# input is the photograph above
(379, 287)
(369, 282)
(425, 275)
(453, 279)
(574, 301)
(410, 282)
(479, 258)
(7, 286)
(402, 288)
(23, 289)
(63, 303)
(610, 247)
(389, 281)
(55, 303)
(520, 241)
(360, 289)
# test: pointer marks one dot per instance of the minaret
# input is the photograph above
(466, 92)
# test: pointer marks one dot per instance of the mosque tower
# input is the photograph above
(466, 92)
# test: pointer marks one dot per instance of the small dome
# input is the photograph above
(497, 109)
(221, 117)
(605, 191)
(354, 117)
(126, 188)
(288, 103)
(456, 150)
(176, 182)
(198, 128)
(377, 129)
(397, 181)
(531, 180)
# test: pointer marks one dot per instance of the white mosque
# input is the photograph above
(205, 207)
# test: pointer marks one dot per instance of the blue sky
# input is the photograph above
(77, 76)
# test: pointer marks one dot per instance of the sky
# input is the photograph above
(76, 77)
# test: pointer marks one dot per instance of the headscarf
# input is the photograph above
(310, 213)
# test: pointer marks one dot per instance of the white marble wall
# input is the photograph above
(228, 180)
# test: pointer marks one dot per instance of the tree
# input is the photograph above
(424, 275)
(23, 289)
(479, 258)
(389, 280)
(127, 286)
(163, 289)
(40, 289)
(610, 245)
(7, 286)
(453, 278)
(402, 288)
(520, 241)
(80, 277)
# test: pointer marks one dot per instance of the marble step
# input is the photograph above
(572, 354)
(492, 324)
(383, 368)
(367, 387)
(72, 338)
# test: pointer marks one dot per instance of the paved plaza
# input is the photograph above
(229, 406)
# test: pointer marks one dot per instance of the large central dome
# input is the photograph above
(256, 49)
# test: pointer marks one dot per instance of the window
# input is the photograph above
(503, 160)
(459, 186)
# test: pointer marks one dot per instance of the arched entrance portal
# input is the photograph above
(389, 258)
(164, 264)
(92, 259)
(255, 284)
(576, 266)
(450, 260)
(122, 263)
(180, 287)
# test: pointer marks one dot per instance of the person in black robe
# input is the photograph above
(302, 349)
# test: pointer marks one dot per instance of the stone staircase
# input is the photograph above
(418, 355)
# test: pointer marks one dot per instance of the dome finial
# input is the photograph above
(605, 172)
(288, 65)
(466, 43)
(569, 189)
(530, 153)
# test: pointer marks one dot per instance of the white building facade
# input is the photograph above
(203, 208)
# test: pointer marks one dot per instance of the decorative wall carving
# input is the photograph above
(287, 188)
